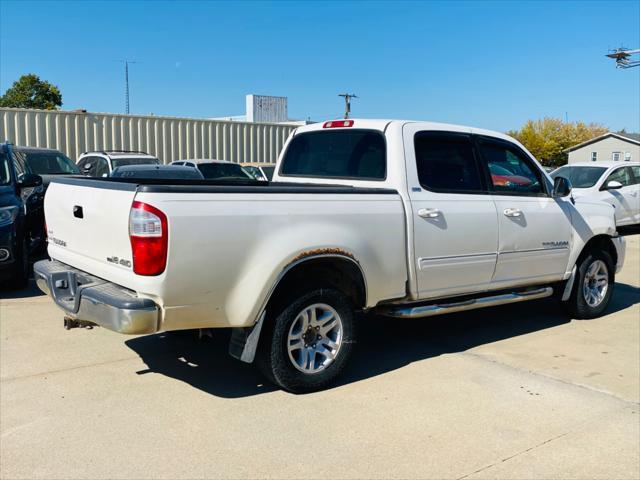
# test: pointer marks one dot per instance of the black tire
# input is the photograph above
(273, 356)
(20, 274)
(577, 306)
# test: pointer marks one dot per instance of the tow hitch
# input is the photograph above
(70, 323)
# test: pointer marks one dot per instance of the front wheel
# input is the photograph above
(593, 285)
(307, 345)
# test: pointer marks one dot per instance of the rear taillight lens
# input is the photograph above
(149, 239)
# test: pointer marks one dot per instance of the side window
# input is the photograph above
(622, 175)
(20, 163)
(510, 170)
(636, 174)
(101, 167)
(446, 163)
(86, 165)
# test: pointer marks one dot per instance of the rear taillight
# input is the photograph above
(149, 239)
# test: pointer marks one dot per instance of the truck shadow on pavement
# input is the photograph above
(384, 344)
(31, 290)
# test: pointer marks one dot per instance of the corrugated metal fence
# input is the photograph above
(169, 138)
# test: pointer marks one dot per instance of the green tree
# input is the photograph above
(31, 92)
(547, 138)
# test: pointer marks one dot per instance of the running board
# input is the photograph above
(420, 311)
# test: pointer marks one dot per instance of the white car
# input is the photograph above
(400, 218)
(216, 169)
(103, 163)
(617, 183)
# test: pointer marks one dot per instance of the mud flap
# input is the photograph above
(244, 341)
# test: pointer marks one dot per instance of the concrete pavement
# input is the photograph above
(512, 392)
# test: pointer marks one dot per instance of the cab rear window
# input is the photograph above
(350, 154)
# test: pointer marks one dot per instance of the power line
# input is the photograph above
(347, 102)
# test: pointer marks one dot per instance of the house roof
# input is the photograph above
(633, 138)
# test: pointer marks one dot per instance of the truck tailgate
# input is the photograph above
(88, 226)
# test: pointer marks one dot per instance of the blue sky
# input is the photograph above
(487, 64)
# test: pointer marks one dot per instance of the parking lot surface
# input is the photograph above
(512, 392)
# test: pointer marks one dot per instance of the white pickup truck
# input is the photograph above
(406, 219)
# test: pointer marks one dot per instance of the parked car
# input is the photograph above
(613, 182)
(46, 162)
(260, 171)
(166, 172)
(216, 169)
(20, 217)
(102, 163)
(394, 217)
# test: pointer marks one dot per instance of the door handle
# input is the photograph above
(429, 213)
(512, 212)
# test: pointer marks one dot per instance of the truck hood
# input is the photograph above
(581, 192)
(593, 217)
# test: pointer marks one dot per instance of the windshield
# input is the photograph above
(254, 172)
(580, 177)
(45, 162)
(5, 172)
(223, 170)
(120, 162)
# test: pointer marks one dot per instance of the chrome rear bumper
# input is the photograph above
(91, 299)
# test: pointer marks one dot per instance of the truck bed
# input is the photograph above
(227, 242)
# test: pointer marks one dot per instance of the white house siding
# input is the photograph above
(604, 149)
(168, 138)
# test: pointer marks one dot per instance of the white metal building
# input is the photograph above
(168, 138)
(607, 147)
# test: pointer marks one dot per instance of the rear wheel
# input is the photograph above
(593, 285)
(307, 345)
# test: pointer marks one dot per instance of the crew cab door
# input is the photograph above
(455, 226)
(535, 228)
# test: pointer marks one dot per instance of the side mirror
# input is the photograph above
(27, 180)
(561, 187)
(613, 185)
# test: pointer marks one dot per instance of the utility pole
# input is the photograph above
(347, 102)
(623, 57)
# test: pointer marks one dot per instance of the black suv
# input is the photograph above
(21, 218)
(46, 162)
